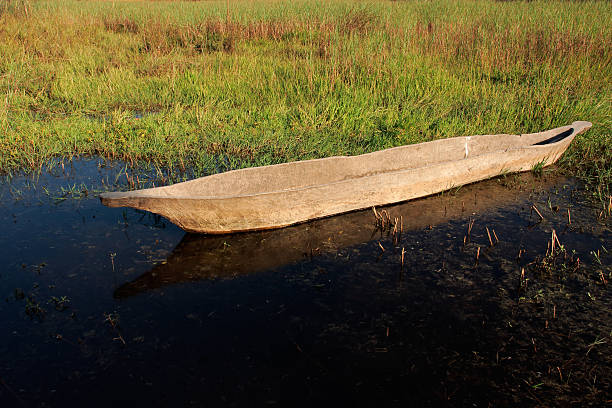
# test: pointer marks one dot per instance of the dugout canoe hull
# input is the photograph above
(280, 195)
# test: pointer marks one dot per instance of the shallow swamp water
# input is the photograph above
(459, 299)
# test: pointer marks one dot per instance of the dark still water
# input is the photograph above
(117, 307)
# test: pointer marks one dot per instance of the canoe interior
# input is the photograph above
(304, 174)
(556, 138)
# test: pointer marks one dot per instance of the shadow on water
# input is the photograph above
(212, 257)
(115, 306)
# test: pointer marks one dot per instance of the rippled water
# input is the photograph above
(115, 306)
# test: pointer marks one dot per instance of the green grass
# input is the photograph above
(178, 85)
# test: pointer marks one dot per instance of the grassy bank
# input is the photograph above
(181, 84)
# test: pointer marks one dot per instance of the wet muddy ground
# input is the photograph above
(108, 307)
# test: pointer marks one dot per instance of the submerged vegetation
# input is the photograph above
(195, 85)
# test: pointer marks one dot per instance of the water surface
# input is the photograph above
(115, 306)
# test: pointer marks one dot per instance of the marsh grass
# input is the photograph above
(15, 7)
(277, 81)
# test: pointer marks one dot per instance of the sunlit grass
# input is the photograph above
(180, 85)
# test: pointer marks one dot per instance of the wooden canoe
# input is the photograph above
(260, 198)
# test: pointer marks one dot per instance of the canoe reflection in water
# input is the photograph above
(199, 257)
